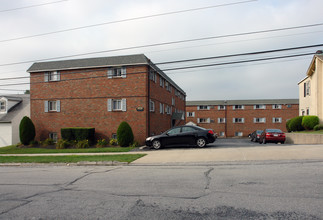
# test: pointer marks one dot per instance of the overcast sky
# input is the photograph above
(271, 79)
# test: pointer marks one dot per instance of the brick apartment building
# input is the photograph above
(234, 118)
(101, 93)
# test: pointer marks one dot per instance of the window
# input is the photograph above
(151, 106)
(153, 76)
(53, 136)
(238, 134)
(203, 120)
(2, 106)
(161, 82)
(52, 76)
(190, 114)
(114, 136)
(259, 107)
(174, 131)
(187, 129)
(167, 86)
(307, 111)
(203, 107)
(289, 106)
(221, 120)
(221, 107)
(117, 105)
(259, 120)
(277, 106)
(168, 110)
(238, 120)
(161, 108)
(238, 107)
(173, 101)
(120, 72)
(52, 106)
(221, 133)
(307, 88)
(303, 112)
(277, 120)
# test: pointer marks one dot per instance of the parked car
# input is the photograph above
(272, 135)
(255, 135)
(186, 135)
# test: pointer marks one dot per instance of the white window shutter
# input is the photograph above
(124, 72)
(208, 107)
(124, 105)
(273, 120)
(46, 106)
(110, 73)
(242, 120)
(109, 105)
(198, 107)
(58, 75)
(198, 120)
(242, 107)
(46, 77)
(193, 114)
(254, 120)
(264, 120)
(208, 120)
(234, 107)
(187, 114)
(58, 106)
(233, 120)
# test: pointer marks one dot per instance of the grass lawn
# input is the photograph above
(18, 150)
(69, 159)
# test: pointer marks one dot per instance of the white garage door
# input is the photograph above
(5, 134)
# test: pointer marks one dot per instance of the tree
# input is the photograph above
(124, 134)
(26, 130)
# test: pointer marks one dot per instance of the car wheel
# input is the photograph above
(200, 142)
(264, 141)
(260, 142)
(283, 142)
(156, 144)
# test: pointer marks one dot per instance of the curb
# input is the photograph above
(82, 163)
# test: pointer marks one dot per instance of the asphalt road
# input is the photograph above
(244, 190)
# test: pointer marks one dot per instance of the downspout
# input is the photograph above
(148, 111)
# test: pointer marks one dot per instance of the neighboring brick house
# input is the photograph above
(101, 93)
(310, 89)
(241, 117)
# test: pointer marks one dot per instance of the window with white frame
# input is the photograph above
(161, 108)
(277, 120)
(114, 136)
(222, 134)
(203, 107)
(119, 72)
(168, 110)
(307, 111)
(173, 101)
(52, 106)
(2, 106)
(259, 120)
(277, 106)
(117, 105)
(238, 133)
(167, 86)
(52, 76)
(53, 136)
(307, 88)
(221, 107)
(203, 120)
(161, 82)
(303, 112)
(153, 76)
(238, 120)
(238, 107)
(221, 120)
(151, 106)
(190, 114)
(259, 107)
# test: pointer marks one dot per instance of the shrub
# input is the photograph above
(318, 127)
(62, 144)
(102, 143)
(124, 134)
(26, 130)
(113, 142)
(78, 134)
(295, 124)
(288, 125)
(135, 144)
(83, 144)
(47, 142)
(33, 143)
(309, 121)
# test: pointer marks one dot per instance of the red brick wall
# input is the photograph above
(248, 113)
(84, 102)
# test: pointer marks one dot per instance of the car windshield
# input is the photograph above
(274, 130)
(174, 131)
(259, 131)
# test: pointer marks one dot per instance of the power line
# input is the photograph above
(126, 20)
(32, 6)
(181, 68)
(167, 43)
(208, 58)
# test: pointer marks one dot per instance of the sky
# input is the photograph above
(128, 23)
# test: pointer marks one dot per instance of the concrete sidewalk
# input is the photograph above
(208, 155)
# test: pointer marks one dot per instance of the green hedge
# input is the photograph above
(78, 134)
(310, 121)
(26, 130)
(295, 124)
(318, 127)
(288, 125)
(124, 134)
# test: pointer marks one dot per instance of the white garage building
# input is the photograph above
(12, 109)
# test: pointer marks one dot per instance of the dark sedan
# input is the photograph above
(186, 135)
(272, 135)
(255, 135)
